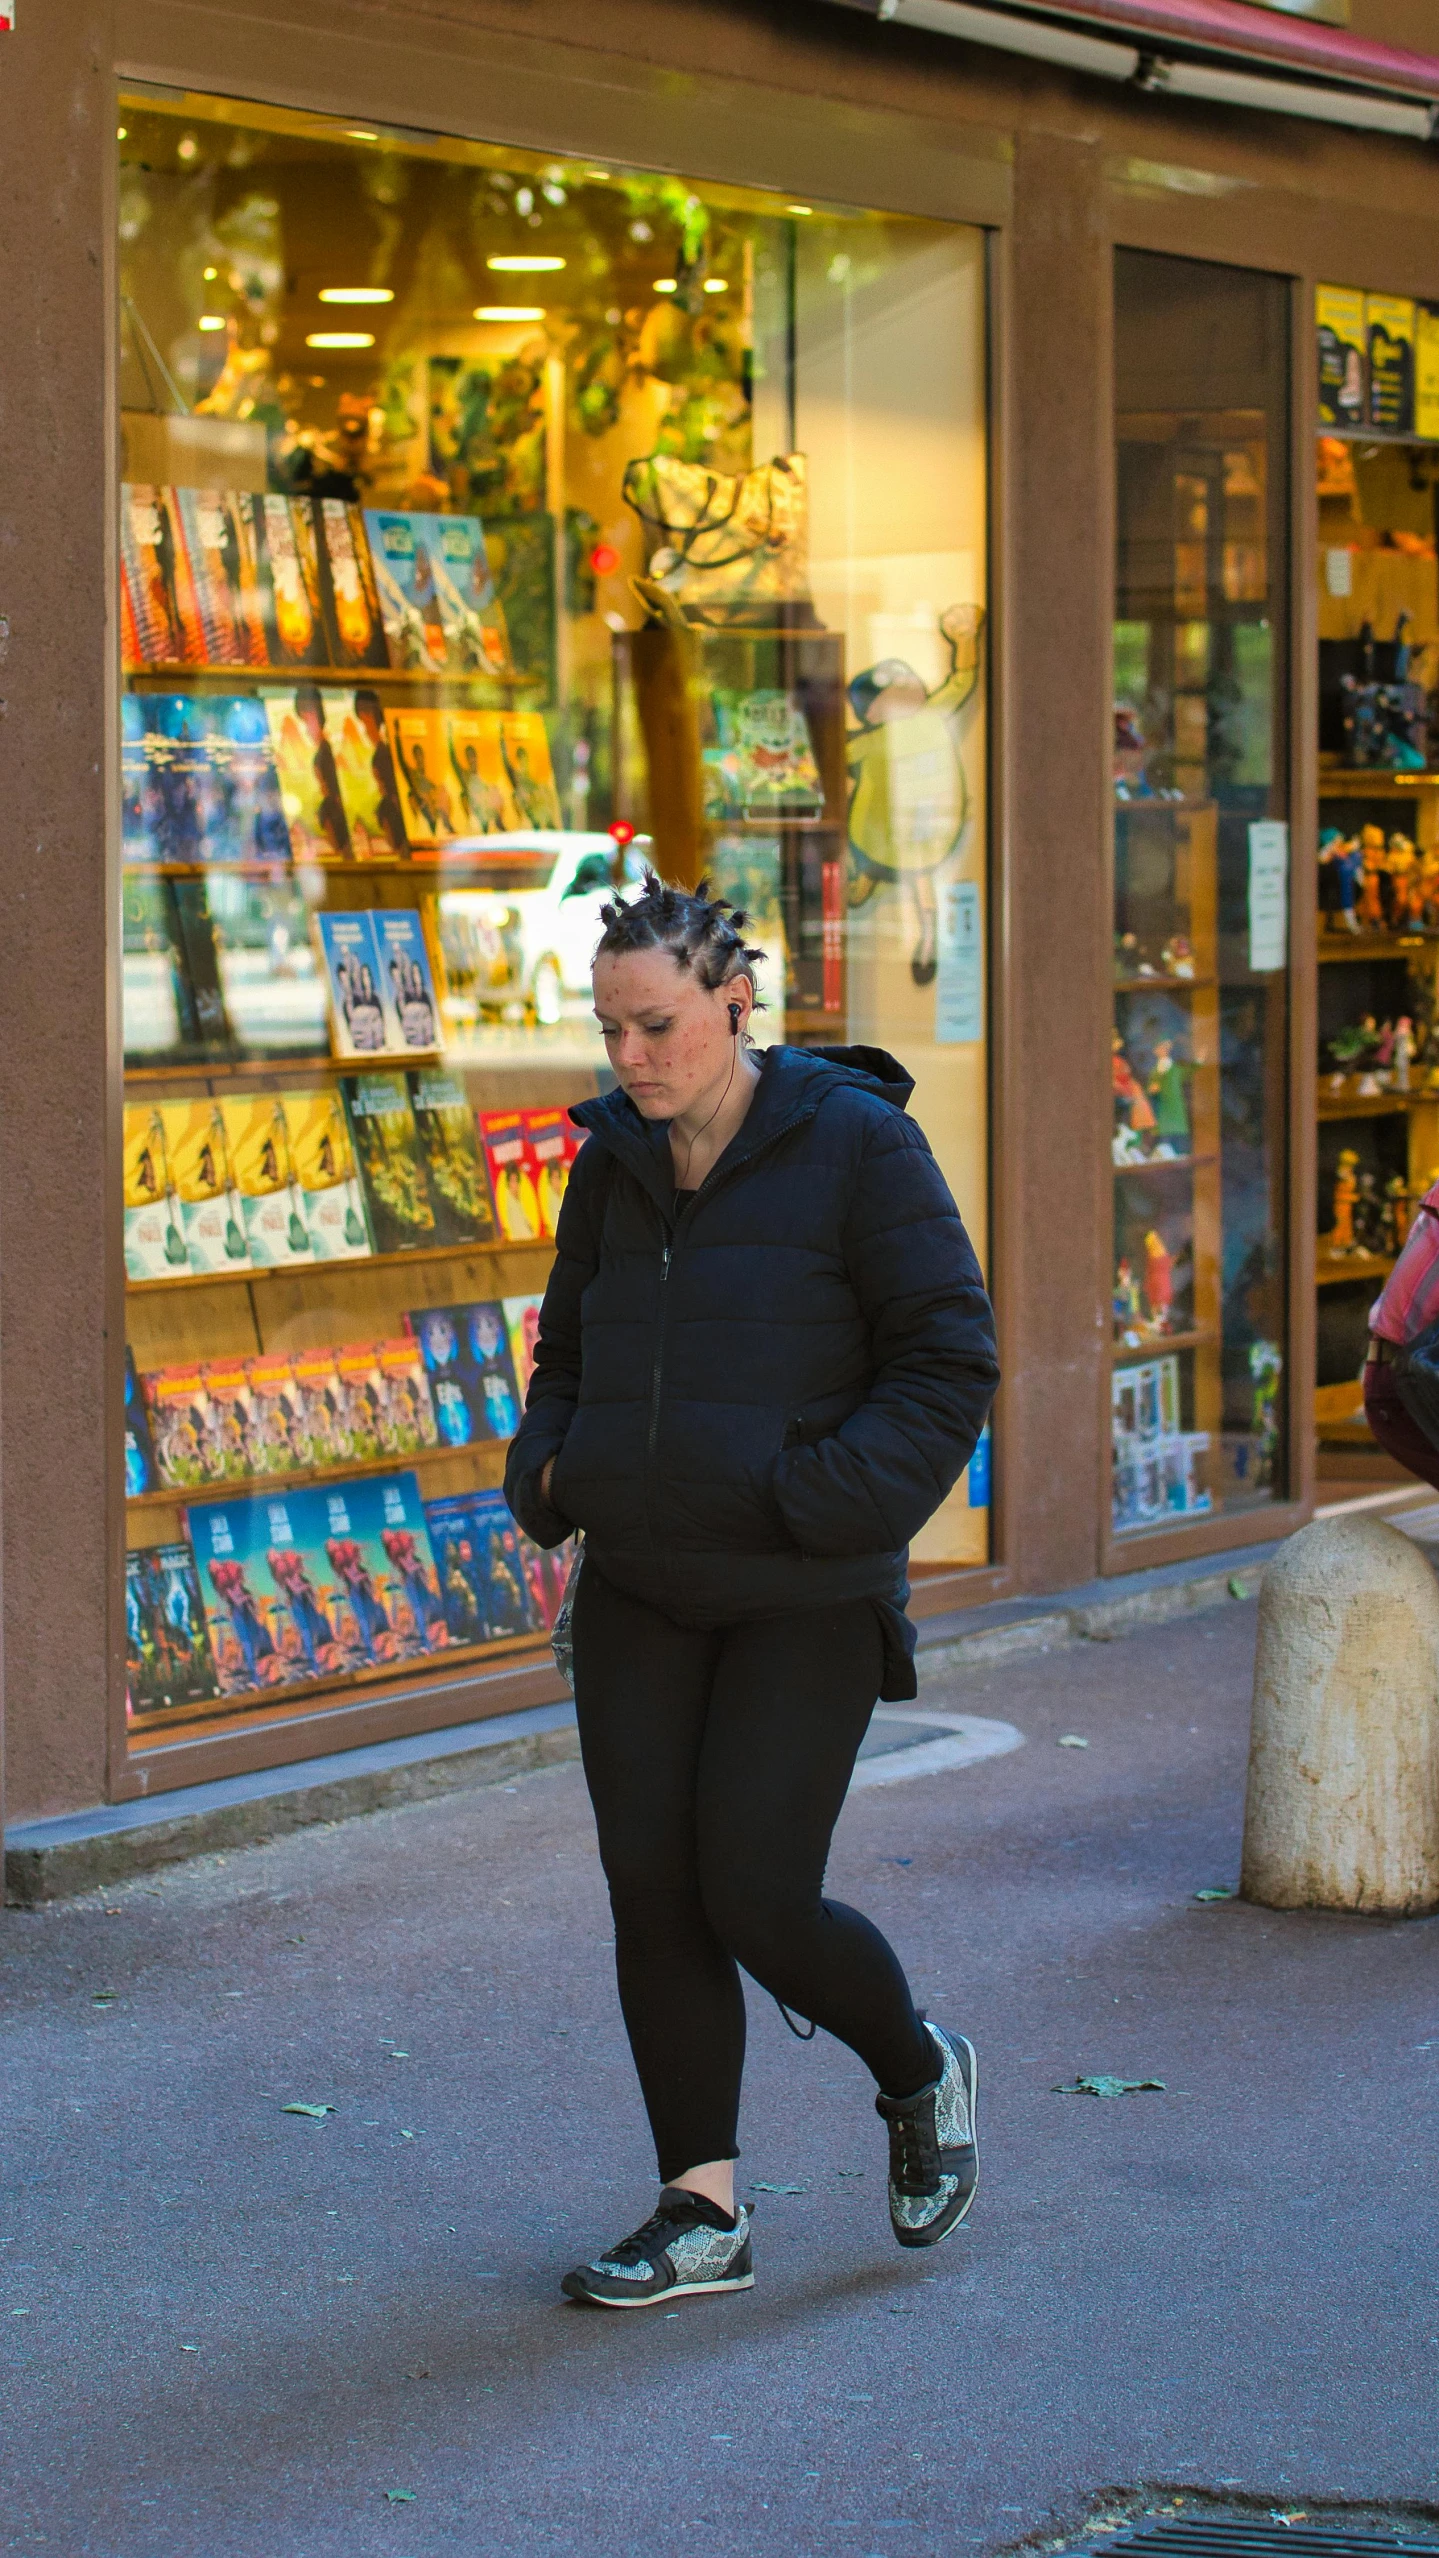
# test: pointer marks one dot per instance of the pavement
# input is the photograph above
(1224, 2286)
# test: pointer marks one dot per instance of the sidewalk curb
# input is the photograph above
(55, 1860)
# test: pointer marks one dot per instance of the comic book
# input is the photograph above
(365, 764)
(274, 1415)
(178, 1406)
(324, 1165)
(156, 1004)
(155, 1246)
(412, 1012)
(508, 1607)
(268, 1628)
(248, 822)
(292, 572)
(315, 1429)
(354, 630)
(167, 1642)
(367, 1550)
(359, 1023)
(217, 580)
(455, 1545)
(142, 815)
(185, 811)
(151, 634)
(522, 1322)
(271, 1198)
(512, 1179)
(140, 1469)
(387, 1152)
(359, 1418)
(308, 777)
(470, 611)
(210, 1208)
(420, 750)
(230, 1454)
(546, 1572)
(547, 1140)
(466, 1351)
(454, 1165)
(476, 775)
(525, 747)
(403, 553)
(407, 1415)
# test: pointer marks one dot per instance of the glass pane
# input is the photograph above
(1200, 891)
(492, 525)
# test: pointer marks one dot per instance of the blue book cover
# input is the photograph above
(140, 1474)
(352, 976)
(235, 734)
(268, 1623)
(466, 1351)
(456, 1546)
(167, 1642)
(403, 551)
(368, 1552)
(508, 1606)
(412, 1016)
(470, 610)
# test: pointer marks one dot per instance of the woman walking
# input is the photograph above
(764, 1358)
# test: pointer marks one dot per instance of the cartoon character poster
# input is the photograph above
(268, 1625)
(324, 1166)
(908, 796)
(308, 776)
(198, 1149)
(367, 1546)
(167, 1642)
(270, 1193)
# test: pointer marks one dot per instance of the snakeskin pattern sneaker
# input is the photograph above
(684, 2246)
(933, 2147)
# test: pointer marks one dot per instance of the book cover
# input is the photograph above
(367, 1547)
(178, 1407)
(272, 1201)
(421, 751)
(186, 809)
(522, 1322)
(140, 1470)
(454, 1165)
(156, 1005)
(507, 1603)
(511, 1175)
(403, 553)
(546, 1573)
(167, 1642)
(525, 746)
(155, 1246)
(231, 1453)
(250, 824)
(308, 778)
(477, 779)
(466, 1351)
(292, 574)
(455, 1545)
(470, 611)
(150, 622)
(359, 1420)
(271, 983)
(274, 1413)
(142, 816)
(324, 1164)
(547, 1138)
(407, 1415)
(358, 1024)
(211, 587)
(387, 1152)
(365, 765)
(268, 1626)
(412, 1011)
(354, 630)
(315, 1430)
(200, 1166)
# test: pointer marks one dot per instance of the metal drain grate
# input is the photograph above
(1195, 2537)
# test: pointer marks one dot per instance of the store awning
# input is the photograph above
(1222, 52)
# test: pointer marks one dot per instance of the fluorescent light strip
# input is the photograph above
(1223, 88)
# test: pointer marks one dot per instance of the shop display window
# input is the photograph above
(492, 526)
(1199, 1334)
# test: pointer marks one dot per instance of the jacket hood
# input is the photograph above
(792, 1084)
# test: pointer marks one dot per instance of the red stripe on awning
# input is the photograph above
(1232, 27)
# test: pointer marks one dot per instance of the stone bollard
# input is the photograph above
(1343, 1803)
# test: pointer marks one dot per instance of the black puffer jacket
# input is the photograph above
(756, 1401)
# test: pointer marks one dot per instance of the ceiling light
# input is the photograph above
(186, 147)
(356, 293)
(122, 133)
(210, 274)
(524, 266)
(510, 311)
(210, 320)
(666, 284)
(716, 284)
(800, 209)
(360, 133)
(339, 338)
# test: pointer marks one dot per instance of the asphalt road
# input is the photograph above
(226, 2330)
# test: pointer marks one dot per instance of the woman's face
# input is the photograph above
(668, 1037)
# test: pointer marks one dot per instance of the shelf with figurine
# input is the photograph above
(1374, 885)
(1369, 1220)
(1335, 1269)
(1152, 1118)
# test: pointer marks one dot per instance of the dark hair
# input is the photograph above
(705, 933)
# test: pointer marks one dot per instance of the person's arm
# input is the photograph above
(871, 1484)
(555, 1383)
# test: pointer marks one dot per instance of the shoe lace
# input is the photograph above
(654, 2232)
(914, 2164)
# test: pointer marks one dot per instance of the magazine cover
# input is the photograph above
(167, 1642)
(522, 1322)
(324, 1165)
(466, 1351)
(470, 612)
(546, 1573)
(273, 1415)
(155, 1246)
(525, 746)
(358, 1023)
(360, 1414)
(387, 1152)
(455, 1545)
(511, 1175)
(547, 1137)
(475, 773)
(315, 1428)
(186, 1449)
(270, 1194)
(210, 1207)
(507, 1603)
(186, 812)
(365, 765)
(402, 554)
(407, 1415)
(217, 589)
(454, 1166)
(140, 1470)
(142, 811)
(150, 624)
(413, 1013)
(354, 630)
(308, 777)
(292, 570)
(268, 1628)
(250, 821)
(366, 1545)
(230, 1453)
(421, 751)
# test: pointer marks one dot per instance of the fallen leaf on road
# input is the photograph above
(1216, 1892)
(849, 2171)
(1104, 2086)
(313, 2113)
(1072, 1741)
(189, 2349)
(1288, 2514)
(399, 2495)
(759, 2187)
(104, 1998)
(1237, 1589)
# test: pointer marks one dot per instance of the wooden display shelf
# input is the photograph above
(1157, 985)
(1162, 1163)
(1363, 945)
(317, 1060)
(298, 1696)
(381, 866)
(1331, 1269)
(1379, 781)
(1123, 1355)
(251, 1487)
(241, 1278)
(243, 679)
(1382, 1105)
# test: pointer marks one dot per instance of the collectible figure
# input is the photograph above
(1396, 1216)
(908, 799)
(1134, 1119)
(1404, 899)
(1368, 1216)
(1340, 863)
(1166, 1091)
(1373, 878)
(1177, 957)
(1403, 1054)
(1158, 1281)
(1346, 1192)
(1127, 961)
(1127, 1312)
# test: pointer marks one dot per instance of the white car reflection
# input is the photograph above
(519, 936)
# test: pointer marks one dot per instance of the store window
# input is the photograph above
(492, 525)
(1201, 861)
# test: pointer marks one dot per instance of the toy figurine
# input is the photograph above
(1373, 878)
(1158, 1281)
(1134, 1119)
(1403, 1057)
(1396, 1216)
(1368, 1216)
(1127, 1314)
(1177, 957)
(1339, 868)
(1404, 892)
(1429, 888)
(1126, 955)
(908, 798)
(1166, 1091)
(1346, 1192)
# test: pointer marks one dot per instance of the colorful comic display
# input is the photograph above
(382, 994)
(454, 1164)
(437, 597)
(317, 1583)
(479, 1555)
(466, 1351)
(387, 1151)
(168, 1661)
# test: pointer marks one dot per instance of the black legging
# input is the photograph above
(717, 1764)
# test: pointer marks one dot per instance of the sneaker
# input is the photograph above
(933, 2147)
(684, 2246)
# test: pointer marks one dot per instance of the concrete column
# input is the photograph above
(1343, 1804)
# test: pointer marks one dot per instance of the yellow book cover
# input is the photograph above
(1390, 320)
(270, 1195)
(417, 738)
(1426, 370)
(155, 1246)
(475, 770)
(210, 1206)
(525, 745)
(324, 1166)
(365, 769)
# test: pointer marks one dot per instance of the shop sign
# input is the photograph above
(1268, 894)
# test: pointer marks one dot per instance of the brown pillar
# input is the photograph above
(1054, 1172)
(61, 1302)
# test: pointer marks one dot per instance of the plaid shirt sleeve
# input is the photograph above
(1409, 1300)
